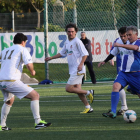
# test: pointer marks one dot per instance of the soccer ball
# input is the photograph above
(130, 116)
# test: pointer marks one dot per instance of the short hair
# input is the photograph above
(71, 25)
(19, 37)
(133, 28)
(82, 32)
(122, 30)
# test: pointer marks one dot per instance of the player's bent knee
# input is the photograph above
(68, 90)
(33, 95)
(116, 87)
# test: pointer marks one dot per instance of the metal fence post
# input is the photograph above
(46, 37)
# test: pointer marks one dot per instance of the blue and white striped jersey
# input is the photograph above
(130, 59)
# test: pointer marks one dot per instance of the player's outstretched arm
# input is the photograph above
(110, 56)
(127, 46)
(30, 67)
(53, 57)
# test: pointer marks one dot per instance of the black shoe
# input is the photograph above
(42, 124)
(5, 128)
(121, 112)
(109, 114)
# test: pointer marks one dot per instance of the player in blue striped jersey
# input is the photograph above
(130, 68)
(123, 40)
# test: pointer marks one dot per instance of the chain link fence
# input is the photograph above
(98, 18)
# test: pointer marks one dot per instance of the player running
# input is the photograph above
(76, 54)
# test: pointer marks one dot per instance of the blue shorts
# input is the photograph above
(131, 78)
(131, 90)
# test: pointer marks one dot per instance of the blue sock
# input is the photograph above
(114, 101)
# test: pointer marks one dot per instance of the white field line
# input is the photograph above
(64, 87)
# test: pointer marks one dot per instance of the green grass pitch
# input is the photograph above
(63, 109)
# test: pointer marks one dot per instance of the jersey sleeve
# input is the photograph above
(63, 51)
(83, 51)
(26, 57)
(114, 50)
(138, 44)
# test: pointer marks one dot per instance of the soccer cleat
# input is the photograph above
(109, 114)
(42, 124)
(121, 112)
(5, 128)
(87, 110)
(91, 96)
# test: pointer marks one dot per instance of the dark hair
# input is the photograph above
(71, 25)
(122, 30)
(133, 28)
(19, 37)
(82, 32)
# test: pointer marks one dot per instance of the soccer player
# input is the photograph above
(76, 54)
(130, 68)
(12, 61)
(116, 52)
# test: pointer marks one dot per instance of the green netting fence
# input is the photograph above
(97, 18)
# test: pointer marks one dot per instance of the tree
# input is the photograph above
(18, 6)
(38, 5)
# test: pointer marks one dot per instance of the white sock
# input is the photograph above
(88, 92)
(35, 110)
(4, 112)
(88, 106)
(123, 99)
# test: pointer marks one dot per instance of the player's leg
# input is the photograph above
(21, 90)
(88, 108)
(119, 83)
(91, 72)
(5, 111)
(35, 108)
(76, 80)
(74, 86)
(88, 93)
(124, 107)
(134, 83)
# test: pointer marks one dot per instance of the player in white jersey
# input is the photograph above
(130, 69)
(76, 55)
(116, 51)
(12, 61)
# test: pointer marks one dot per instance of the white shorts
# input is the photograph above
(17, 88)
(75, 79)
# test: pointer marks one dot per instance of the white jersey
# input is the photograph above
(130, 58)
(74, 50)
(12, 62)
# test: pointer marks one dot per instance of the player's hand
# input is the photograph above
(101, 63)
(111, 62)
(79, 67)
(33, 73)
(48, 58)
